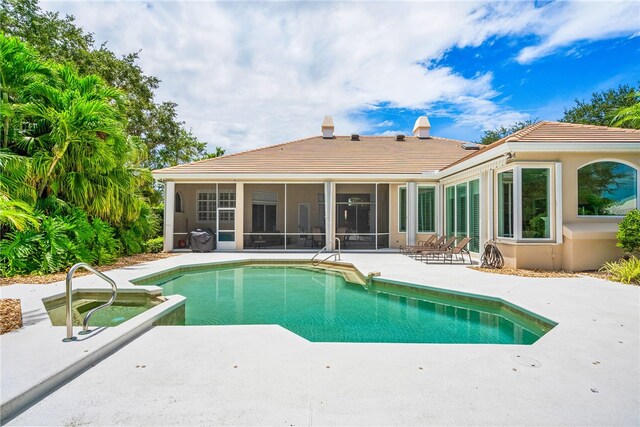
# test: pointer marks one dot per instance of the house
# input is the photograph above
(550, 195)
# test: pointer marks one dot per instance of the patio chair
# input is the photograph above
(434, 244)
(420, 245)
(317, 238)
(458, 251)
(422, 253)
(305, 237)
(341, 234)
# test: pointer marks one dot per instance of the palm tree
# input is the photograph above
(16, 197)
(19, 66)
(81, 153)
(628, 117)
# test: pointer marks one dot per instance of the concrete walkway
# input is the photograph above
(586, 371)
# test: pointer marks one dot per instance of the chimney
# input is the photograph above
(421, 128)
(327, 127)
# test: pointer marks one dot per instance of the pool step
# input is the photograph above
(31, 380)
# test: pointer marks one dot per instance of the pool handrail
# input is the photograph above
(69, 299)
(337, 255)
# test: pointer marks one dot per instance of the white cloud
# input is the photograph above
(384, 124)
(252, 74)
(568, 22)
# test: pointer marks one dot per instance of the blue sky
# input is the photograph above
(539, 90)
(250, 74)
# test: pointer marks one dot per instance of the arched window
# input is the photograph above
(178, 202)
(607, 188)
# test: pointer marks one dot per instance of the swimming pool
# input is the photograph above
(126, 306)
(322, 306)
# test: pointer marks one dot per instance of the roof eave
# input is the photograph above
(539, 147)
(320, 177)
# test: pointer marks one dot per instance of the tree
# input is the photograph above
(602, 107)
(18, 67)
(16, 196)
(218, 153)
(629, 232)
(628, 117)
(60, 40)
(82, 154)
(71, 181)
(494, 135)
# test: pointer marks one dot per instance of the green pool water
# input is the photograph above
(322, 306)
(113, 315)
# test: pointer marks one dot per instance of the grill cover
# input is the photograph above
(201, 240)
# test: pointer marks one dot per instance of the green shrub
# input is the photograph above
(155, 245)
(134, 235)
(65, 236)
(106, 247)
(629, 232)
(625, 270)
(47, 250)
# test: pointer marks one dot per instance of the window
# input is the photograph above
(535, 203)
(461, 210)
(178, 202)
(426, 209)
(474, 215)
(524, 202)
(402, 209)
(264, 218)
(462, 203)
(505, 204)
(607, 188)
(206, 211)
(227, 199)
(451, 211)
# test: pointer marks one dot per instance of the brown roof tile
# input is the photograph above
(570, 132)
(340, 155)
(381, 154)
(562, 132)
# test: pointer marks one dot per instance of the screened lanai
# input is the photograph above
(362, 216)
(284, 216)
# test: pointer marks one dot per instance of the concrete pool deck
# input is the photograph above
(587, 369)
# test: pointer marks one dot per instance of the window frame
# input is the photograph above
(550, 201)
(212, 214)
(434, 217)
(400, 216)
(514, 203)
(613, 160)
(228, 201)
(264, 216)
(178, 206)
(517, 202)
(454, 185)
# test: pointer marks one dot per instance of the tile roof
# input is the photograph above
(543, 132)
(340, 155)
(385, 155)
(570, 132)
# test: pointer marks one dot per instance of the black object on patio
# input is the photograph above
(201, 240)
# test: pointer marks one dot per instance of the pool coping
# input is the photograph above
(147, 279)
(106, 341)
(589, 330)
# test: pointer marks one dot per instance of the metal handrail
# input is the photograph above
(85, 322)
(325, 247)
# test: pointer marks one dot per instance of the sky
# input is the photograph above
(250, 74)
